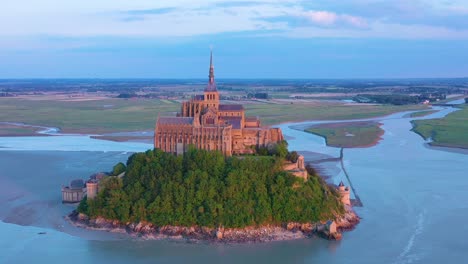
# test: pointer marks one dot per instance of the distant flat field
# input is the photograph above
(98, 116)
(450, 131)
(117, 115)
(349, 135)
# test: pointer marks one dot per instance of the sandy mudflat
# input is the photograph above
(32, 197)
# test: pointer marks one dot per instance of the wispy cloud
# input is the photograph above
(156, 11)
(329, 19)
(323, 18)
(181, 18)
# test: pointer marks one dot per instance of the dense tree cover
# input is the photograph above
(118, 169)
(206, 189)
(292, 156)
(279, 150)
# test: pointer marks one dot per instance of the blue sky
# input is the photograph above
(251, 39)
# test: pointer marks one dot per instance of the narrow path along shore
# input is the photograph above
(357, 200)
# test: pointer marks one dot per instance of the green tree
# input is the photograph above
(118, 169)
(292, 156)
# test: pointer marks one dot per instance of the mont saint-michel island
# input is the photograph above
(230, 131)
(214, 174)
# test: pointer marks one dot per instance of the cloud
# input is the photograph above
(355, 21)
(326, 18)
(179, 19)
(322, 17)
(156, 11)
(380, 30)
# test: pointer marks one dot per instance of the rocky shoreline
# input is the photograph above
(288, 231)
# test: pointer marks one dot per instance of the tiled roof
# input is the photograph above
(230, 107)
(76, 184)
(251, 118)
(175, 120)
(236, 124)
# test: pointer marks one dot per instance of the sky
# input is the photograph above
(307, 39)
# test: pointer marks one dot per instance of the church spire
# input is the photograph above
(211, 76)
(211, 81)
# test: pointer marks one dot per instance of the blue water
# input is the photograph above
(69, 143)
(414, 205)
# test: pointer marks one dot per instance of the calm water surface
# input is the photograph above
(414, 205)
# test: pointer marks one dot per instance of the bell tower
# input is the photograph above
(211, 93)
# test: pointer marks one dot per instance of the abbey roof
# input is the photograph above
(235, 121)
(230, 107)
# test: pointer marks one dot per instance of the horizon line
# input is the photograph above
(231, 78)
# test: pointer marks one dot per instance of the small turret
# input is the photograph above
(344, 193)
(91, 189)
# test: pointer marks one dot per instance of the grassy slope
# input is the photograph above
(365, 134)
(133, 115)
(451, 131)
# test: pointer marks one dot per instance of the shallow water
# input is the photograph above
(414, 204)
(69, 143)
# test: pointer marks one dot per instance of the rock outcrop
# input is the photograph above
(288, 231)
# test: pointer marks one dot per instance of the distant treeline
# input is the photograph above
(397, 99)
(249, 85)
(204, 188)
(148, 95)
(258, 95)
(5, 94)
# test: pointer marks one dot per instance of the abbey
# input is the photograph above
(206, 124)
